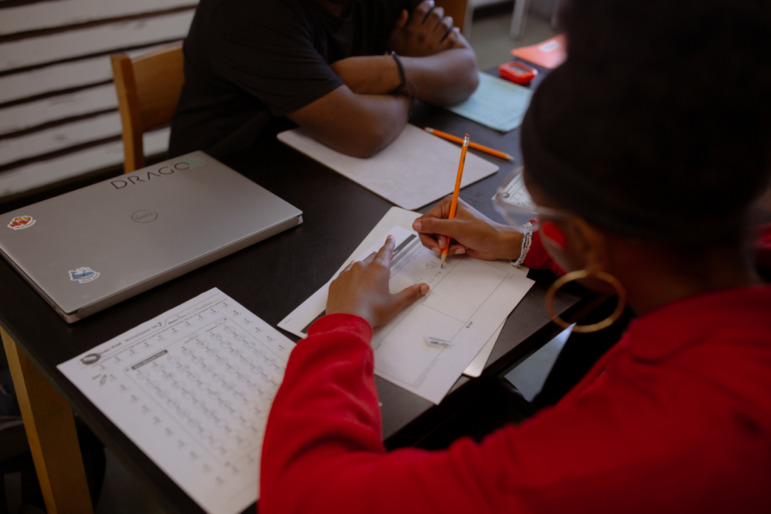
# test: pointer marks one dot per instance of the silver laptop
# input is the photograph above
(94, 247)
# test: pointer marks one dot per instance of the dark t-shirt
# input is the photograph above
(250, 62)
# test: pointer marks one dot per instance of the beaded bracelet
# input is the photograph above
(527, 240)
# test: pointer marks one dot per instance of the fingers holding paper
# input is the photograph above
(362, 289)
(470, 232)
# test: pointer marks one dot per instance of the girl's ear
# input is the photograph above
(585, 246)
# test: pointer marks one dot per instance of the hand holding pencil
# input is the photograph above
(456, 191)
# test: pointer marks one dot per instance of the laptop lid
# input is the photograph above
(94, 247)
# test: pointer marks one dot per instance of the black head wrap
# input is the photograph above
(658, 124)
(610, 155)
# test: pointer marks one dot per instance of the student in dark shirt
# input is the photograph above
(344, 70)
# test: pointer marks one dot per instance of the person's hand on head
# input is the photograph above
(362, 289)
(426, 32)
(469, 232)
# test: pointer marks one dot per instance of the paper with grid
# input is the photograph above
(192, 388)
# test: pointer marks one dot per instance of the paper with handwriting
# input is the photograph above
(427, 347)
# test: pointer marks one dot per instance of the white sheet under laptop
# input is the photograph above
(426, 348)
(415, 170)
(94, 247)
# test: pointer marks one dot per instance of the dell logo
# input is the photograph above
(144, 216)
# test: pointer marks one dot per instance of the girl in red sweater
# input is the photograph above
(644, 155)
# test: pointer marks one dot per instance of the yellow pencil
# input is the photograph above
(456, 191)
(475, 146)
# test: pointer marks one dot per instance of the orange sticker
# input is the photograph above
(21, 222)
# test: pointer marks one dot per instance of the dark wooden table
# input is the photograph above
(270, 279)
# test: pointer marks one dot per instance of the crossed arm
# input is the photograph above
(362, 116)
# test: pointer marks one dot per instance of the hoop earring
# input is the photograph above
(578, 275)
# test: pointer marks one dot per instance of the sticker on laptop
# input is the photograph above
(83, 275)
(21, 222)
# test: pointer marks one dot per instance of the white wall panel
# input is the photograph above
(58, 110)
(61, 13)
(43, 173)
(93, 40)
(32, 114)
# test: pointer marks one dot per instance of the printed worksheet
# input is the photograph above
(427, 347)
(192, 388)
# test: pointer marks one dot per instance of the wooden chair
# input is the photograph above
(148, 89)
(460, 10)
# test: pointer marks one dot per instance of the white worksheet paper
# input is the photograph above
(414, 170)
(192, 388)
(466, 306)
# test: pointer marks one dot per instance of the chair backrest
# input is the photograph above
(459, 10)
(148, 89)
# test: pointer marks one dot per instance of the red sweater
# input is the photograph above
(675, 418)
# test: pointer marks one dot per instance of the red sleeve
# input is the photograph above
(613, 447)
(538, 258)
(763, 249)
(323, 450)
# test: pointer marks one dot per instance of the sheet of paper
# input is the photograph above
(516, 193)
(411, 172)
(468, 302)
(475, 367)
(497, 103)
(192, 388)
